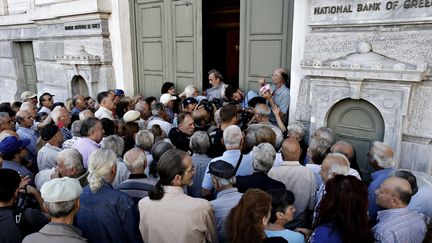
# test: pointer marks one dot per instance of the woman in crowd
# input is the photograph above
(343, 213)
(247, 220)
(105, 214)
(282, 213)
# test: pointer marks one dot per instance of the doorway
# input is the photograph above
(79, 86)
(221, 39)
(359, 123)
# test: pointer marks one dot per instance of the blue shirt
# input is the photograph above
(21, 169)
(32, 135)
(325, 233)
(200, 162)
(281, 97)
(289, 235)
(232, 157)
(107, 216)
(249, 95)
(377, 178)
(399, 225)
(421, 201)
(222, 205)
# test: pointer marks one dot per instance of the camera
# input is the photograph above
(23, 199)
(244, 118)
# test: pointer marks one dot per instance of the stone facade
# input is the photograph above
(397, 80)
(57, 42)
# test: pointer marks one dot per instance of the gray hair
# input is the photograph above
(263, 157)
(85, 114)
(60, 209)
(100, 164)
(135, 158)
(156, 108)
(76, 128)
(337, 168)
(71, 158)
(262, 109)
(378, 153)
(56, 113)
(200, 142)
(296, 128)
(232, 136)
(326, 133)
(223, 181)
(113, 142)
(217, 118)
(160, 148)
(144, 139)
(189, 91)
(27, 106)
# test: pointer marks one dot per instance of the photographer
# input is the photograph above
(235, 94)
(17, 221)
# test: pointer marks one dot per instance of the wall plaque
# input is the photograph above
(364, 12)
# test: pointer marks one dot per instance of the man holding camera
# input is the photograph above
(17, 221)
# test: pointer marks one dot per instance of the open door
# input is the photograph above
(167, 44)
(265, 39)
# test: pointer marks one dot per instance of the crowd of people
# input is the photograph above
(223, 165)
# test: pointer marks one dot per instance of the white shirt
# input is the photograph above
(103, 112)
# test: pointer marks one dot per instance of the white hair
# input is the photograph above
(223, 181)
(113, 142)
(326, 133)
(71, 158)
(379, 153)
(56, 113)
(262, 109)
(232, 136)
(76, 128)
(340, 164)
(139, 106)
(144, 139)
(26, 106)
(263, 157)
(189, 91)
(135, 158)
(100, 165)
(85, 114)
(296, 128)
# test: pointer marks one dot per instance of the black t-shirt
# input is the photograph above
(217, 148)
(15, 224)
(179, 139)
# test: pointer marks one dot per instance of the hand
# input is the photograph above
(24, 181)
(267, 95)
(55, 174)
(262, 82)
(32, 190)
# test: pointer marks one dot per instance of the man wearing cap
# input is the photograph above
(46, 158)
(16, 223)
(223, 179)
(131, 116)
(180, 136)
(61, 199)
(119, 93)
(13, 152)
(46, 102)
(28, 96)
(106, 102)
(168, 101)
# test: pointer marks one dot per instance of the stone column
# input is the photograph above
(3, 7)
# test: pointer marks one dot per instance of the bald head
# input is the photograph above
(135, 160)
(291, 150)
(394, 192)
(343, 148)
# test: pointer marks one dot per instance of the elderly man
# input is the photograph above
(62, 119)
(380, 156)
(396, 223)
(137, 185)
(298, 179)
(116, 144)
(333, 164)
(68, 164)
(76, 134)
(278, 96)
(79, 103)
(106, 105)
(348, 150)
(263, 158)
(14, 222)
(218, 86)
(325, 133)
(160, 117)
(85, 114)
(61, 199)
(168, 215)
(92, 132)
(296, 130)
(233, 140)
(31, 108)
(261, 118)
(227, 195)
(46, 158)
(180, 136)
(144, 140)
(199, 144)
(24, 131)
(145, 113)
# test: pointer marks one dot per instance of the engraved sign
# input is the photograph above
(364, 12)
(82, 26)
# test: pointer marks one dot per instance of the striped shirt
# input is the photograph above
(399, 225)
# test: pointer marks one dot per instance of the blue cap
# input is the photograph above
(118, 92)
(11, 144)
